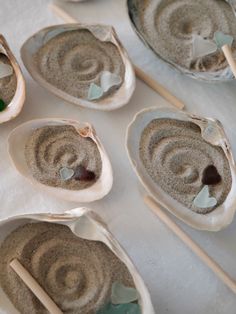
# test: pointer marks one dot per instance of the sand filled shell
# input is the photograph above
(79, 281)
(12, 84)
(63, 157)
(170, 28)
(52, 148)
(83, 64)
(73, 257)
(176, 156)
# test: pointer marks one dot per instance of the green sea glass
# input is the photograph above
(203, 199)
(95, 92)
(121, 294)
(3, 105)
(202, 47)
(108, 80)
(130, 308)
(66, 173)
(5, 70)
(222, 39)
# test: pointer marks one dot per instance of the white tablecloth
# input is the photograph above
(178, 282)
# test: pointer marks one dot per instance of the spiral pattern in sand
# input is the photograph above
(7, 84)
(51, 148)
(168, 27)
(175, 156)
(78, 274)
(73, 60)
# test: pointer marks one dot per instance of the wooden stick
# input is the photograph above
(216, 268)
(161, 90)
(61, 13)
(229, 57)
(37, 290)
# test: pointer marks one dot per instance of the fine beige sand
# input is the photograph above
(73, 60)
(78, 274)
(175, 156)
(168, 27)
(51, 148)
(8, 83)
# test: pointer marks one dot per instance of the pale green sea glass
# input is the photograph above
(66, 173)
(203, 199)
(130, 308)
(108, 80)
(5, 70)
(222, 39)
(121, 294)
(95, 92)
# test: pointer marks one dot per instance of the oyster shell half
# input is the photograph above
(40, 149)
(86, 225)
(170, 28)
(75, 61)
(170, 151)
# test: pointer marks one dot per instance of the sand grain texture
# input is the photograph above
(78, 274)
(175, 156)
(51, 148)
(73, 60)
(168, 27)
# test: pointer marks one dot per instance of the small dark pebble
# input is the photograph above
(82, 174)
(210, 176)
(2, 105)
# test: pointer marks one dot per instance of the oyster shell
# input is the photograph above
(95, 57)
(18, 139)
(16, 103)
(167, 29)
(183, 161)
(87, 225)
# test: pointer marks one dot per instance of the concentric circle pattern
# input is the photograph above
(74, 59)
(175, 155)
(7, 84)
(51, 148)
(168, 26)
(76, 273)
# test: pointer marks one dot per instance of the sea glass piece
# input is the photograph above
(212, 133)
(121, 294)
(202, 47)
(95, 92)
(2, 105)
(211, 176)
(5, 70)
(130, 308)
(222, 39)
(66, 173)
(108, 80)
(203, 199)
